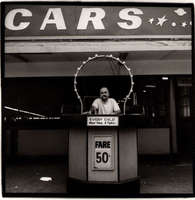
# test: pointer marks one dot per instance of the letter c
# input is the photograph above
(9, 20)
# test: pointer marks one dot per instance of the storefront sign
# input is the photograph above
(49, 20)
(102, 121)
(103, 157)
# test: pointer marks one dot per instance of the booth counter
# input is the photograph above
(103, 153)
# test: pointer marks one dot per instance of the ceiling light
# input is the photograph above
(45, 179)
(165, 78)
(150, 86)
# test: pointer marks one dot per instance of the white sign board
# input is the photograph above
(102, 121)
(103, 156)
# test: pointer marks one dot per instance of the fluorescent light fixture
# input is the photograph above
(165, 78)
(150, 86)
(45, 179)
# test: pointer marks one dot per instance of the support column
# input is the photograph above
(173, 117)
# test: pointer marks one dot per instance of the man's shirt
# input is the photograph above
(106, 108)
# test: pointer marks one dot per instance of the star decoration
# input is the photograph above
(151, 20)
(184, 24)
(161, 21)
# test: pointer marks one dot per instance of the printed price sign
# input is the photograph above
(103, 157)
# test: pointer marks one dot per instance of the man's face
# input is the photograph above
(104, 94)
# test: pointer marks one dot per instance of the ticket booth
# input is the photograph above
(103, 154)
(103, 148)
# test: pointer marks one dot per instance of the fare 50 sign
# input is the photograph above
(103, 153)
(36, 20)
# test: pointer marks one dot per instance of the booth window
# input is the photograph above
(153, 97)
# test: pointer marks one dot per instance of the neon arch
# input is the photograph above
(84, 63)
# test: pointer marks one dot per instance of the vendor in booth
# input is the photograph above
(105, 105)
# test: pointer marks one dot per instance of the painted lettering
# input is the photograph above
(134, 21)
(10, 17)
(130, 19)
(58, 19)
(93, 15)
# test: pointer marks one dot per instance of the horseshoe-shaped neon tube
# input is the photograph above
(109, 57)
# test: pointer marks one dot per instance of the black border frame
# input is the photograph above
(147, 4)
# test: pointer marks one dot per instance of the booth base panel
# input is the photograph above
(97, 189)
